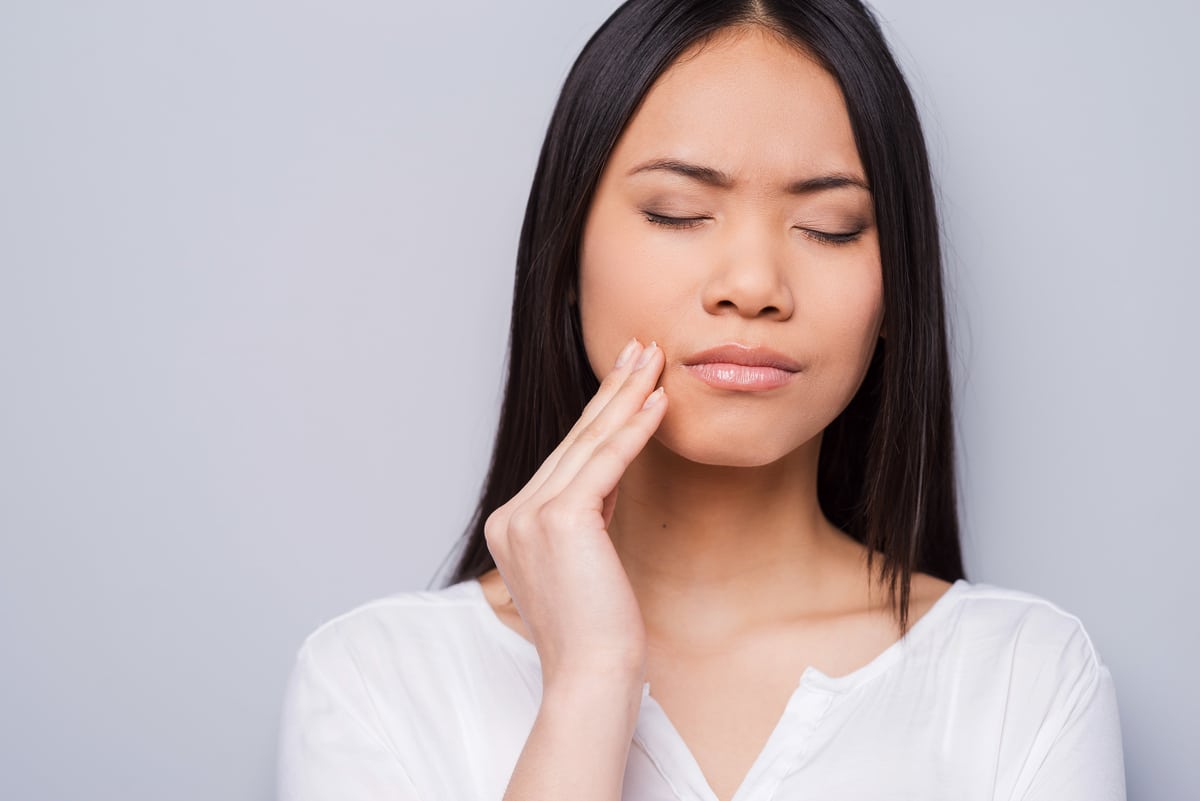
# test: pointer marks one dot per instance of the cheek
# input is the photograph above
(606, 318)
(850, 320)
(622, 289)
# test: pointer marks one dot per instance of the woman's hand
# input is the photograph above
(551, 543)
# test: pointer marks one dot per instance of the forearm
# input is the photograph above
(579, 743)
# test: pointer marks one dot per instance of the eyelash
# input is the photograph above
(692, 222)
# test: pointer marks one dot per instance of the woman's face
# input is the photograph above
(753, 264)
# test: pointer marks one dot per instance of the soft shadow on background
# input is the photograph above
(255, 268)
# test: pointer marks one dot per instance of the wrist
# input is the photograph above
(589, 691)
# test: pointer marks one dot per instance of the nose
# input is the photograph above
(749, 276)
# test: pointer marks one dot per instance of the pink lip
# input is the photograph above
(742, 368)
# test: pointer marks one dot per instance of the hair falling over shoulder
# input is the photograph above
(886, 470)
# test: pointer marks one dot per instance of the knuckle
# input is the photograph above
(610, 385)
(595, 403)
(556, 515)
(496, 538)
(590, 435)
(497, 542)
(497, 523)
(522, 523)
(610, 449)
(611, 379)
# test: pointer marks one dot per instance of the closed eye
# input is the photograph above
(826, 237)
(674, 222)
(832, 238)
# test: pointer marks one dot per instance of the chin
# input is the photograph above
(723, 446)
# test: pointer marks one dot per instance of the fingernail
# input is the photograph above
(626, 353)
(653, 399)
(644, 359)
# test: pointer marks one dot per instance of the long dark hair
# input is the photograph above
(886, 468)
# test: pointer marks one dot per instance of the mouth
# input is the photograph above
(742, 368)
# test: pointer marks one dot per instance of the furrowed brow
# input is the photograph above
(697, 172)
(711, 176)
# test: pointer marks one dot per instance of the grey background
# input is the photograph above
(256, 265)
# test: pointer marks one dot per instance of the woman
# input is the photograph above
(717, 552)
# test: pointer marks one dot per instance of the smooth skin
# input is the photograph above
(683, 543)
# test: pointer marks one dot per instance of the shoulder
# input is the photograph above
(387, 633)
(1031, 621)
(1017, 644)
(416, 655)
(404, 690)
(1027, 674)
(410, 649)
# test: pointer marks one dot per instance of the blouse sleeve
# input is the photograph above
(328, 748)
(1084, 762)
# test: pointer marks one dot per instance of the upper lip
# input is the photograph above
(744, 355)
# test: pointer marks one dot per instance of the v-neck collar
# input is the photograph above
(814, 695)
(664, 746)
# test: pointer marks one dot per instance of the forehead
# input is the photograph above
(746, 102)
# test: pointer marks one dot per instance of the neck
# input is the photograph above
(712, 550)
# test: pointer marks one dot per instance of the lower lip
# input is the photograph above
(740, 377)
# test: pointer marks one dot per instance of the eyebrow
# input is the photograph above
(714, 177)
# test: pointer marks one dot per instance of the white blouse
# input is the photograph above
(994, 694)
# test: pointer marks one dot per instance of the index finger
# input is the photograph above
(609, 387)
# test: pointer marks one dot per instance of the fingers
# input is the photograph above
(624, 409)
(609, 387)
(599, 475)
(554, 553)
